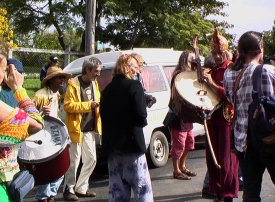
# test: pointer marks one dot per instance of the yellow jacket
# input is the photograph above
(74, 108)
(43, 97)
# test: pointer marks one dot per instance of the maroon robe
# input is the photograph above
(224, 182)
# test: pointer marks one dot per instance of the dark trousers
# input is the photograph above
(253, 165)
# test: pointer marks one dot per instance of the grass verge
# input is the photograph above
(32, 85)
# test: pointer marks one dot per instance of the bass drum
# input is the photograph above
(192, 98)
(46, 153)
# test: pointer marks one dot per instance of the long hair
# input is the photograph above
(182, 63)
(123, 66)
(249, 45)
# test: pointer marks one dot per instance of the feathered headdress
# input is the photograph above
(219, 43)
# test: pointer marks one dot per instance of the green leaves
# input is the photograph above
(127, 23)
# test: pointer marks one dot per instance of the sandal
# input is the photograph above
(181, 176)
(189, 173)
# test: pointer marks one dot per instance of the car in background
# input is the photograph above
(156, 74)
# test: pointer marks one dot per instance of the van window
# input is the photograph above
(153, 79)
(168, 72)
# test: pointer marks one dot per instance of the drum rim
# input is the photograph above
(180, 94)
(65, 145)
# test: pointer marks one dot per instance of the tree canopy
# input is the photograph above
(6, 34)
(122, 23)
(269, 42)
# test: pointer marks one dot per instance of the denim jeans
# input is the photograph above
(253, 167)
(47, 190)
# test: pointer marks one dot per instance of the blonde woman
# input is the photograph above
(123, 114)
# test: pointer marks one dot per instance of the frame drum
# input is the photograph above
(192, 98)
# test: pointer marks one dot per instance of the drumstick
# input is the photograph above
(35, 141)
(210, 145)
(49, 105)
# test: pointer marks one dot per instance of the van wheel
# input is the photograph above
(158, 150)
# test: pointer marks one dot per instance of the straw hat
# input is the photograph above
(53, 72)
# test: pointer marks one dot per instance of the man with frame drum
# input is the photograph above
(47, 100)
(81, 103)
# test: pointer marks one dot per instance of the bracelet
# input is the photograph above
(20, 94)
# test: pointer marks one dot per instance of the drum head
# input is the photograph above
(189, 89)
(45, 144)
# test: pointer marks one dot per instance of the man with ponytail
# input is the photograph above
(238, 89)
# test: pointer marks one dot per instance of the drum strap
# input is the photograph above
(235, 88)
(208, 115)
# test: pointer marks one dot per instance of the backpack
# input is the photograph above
(261, 116)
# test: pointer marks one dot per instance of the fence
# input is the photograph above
(33, 59)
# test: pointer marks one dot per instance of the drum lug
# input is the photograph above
(202, 93)
(33, 167)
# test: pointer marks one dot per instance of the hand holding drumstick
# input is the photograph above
(208, 79)
(207, 76)
(95, 104)
(46, 109)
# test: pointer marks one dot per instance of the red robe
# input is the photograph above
(224, 182)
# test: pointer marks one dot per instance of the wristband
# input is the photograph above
(20, 94)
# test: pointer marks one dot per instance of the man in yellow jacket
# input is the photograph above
(81, 103)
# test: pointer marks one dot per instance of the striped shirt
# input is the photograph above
(244, 97)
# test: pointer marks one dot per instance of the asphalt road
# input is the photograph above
(166, 189)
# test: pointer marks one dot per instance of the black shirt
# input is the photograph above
(86, 89)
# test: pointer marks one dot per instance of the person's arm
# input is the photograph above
(15, 81)
(5, 110)
(71, 104)
(218, 89)
(139, 104)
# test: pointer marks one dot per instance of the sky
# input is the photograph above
(249, 15)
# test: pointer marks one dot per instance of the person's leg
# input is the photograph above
(176, 165)
(240, 174)
(89, 162)
(189, 144)
(177, 149)
(54, 186)
(43, 192)
(139, 180)
(119, 189)
(228, 174)
(183, 159)
(269, 161)
(253, 170)
(205, 193)
(70, 176)
(206, 180)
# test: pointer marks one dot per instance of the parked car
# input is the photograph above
(157, 73)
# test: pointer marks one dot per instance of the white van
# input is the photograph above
(160, 63)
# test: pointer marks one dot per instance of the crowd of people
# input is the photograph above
(90, 115)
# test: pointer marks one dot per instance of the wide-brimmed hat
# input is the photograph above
(53, 72)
